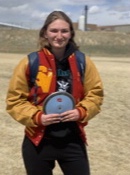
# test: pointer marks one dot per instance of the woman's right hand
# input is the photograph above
(48, 119)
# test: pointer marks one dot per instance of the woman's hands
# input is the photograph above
(47, 119)
(68, 116)
(71, 115)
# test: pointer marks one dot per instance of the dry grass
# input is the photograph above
(108, 133)
(94, 43)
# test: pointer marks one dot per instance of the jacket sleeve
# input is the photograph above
(93, 91)
(17, 104)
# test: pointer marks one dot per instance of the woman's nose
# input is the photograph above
(59, 35)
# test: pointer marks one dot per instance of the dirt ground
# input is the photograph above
(108, 133)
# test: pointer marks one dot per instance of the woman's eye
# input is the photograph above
(64, 31)
(53, 31)
(56, 31)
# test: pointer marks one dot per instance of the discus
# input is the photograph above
(58, 102)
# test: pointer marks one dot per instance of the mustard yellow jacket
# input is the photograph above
(23, 111)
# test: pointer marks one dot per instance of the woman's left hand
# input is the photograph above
(71, 115)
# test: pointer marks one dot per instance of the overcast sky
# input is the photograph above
(32, 13)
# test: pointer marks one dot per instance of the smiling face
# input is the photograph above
(58, 34)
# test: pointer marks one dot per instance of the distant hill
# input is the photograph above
(18, 40)
(96, 43)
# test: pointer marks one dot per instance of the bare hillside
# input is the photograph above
(18, 40)
(96, 43)
(103, 43)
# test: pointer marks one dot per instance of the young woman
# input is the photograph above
(55, 136)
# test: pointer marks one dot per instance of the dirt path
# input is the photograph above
(108, 133)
